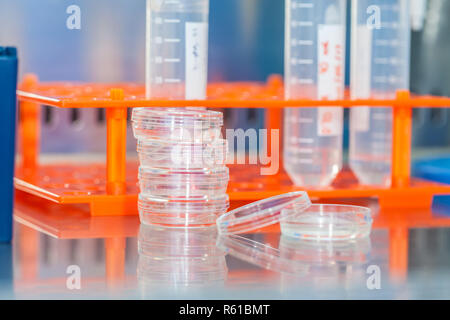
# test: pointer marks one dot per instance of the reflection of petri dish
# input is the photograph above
(179, 256)
(165, 243)
(328, 262)
(263, 213)
(182, 271)
(328, 222)
(323, 253)
(260, 255)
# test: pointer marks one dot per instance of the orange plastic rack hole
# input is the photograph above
(110, 189)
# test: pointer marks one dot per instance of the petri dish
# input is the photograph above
(177, 124)
(183, 184)
(263, 213)
(328, 222)
(181, 213)
(182, 155)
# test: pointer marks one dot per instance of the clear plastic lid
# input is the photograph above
(177, 117)
(176, 124)
(187, 155)
(207, 175)
(263, 213)
(165, 147)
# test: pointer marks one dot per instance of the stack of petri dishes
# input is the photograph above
(183, 176)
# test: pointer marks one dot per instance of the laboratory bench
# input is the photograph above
(61, 252)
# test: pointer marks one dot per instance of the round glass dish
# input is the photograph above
(328, 222)
(181, 213)
(183, 184)
(176, 124)
(262, 213)
(182, 155)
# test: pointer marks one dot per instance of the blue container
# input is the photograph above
(8, 83)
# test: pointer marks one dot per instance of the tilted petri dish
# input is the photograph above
(263, 213)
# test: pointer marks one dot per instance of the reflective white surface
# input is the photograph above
(410, 251)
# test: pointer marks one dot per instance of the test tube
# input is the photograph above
(177, 49)
(380, 67)
(314, 69)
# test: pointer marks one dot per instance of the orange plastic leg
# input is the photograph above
(273, 115)
(401, 142)
(116, 122)
(274, 120)
(29, 129)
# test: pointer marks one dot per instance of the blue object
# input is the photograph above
(6, 270)
(435, 169)
(8, 84)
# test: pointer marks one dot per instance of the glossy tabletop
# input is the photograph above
(60, 252)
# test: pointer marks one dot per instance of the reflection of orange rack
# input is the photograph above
(111, 189)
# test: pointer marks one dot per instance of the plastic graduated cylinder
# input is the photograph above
(314, 68)
(177, 48)
(380, 67)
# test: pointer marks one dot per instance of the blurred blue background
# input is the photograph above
(246, 39)
(246, 43)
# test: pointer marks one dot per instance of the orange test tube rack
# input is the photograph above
(111, 188)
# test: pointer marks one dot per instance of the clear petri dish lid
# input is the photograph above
(205, 174)
(167, 147)
(165, 205)
(263, 213)
(174, 117)
(189, 155)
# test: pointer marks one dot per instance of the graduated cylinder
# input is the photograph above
(314, 69)
(380, 67)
